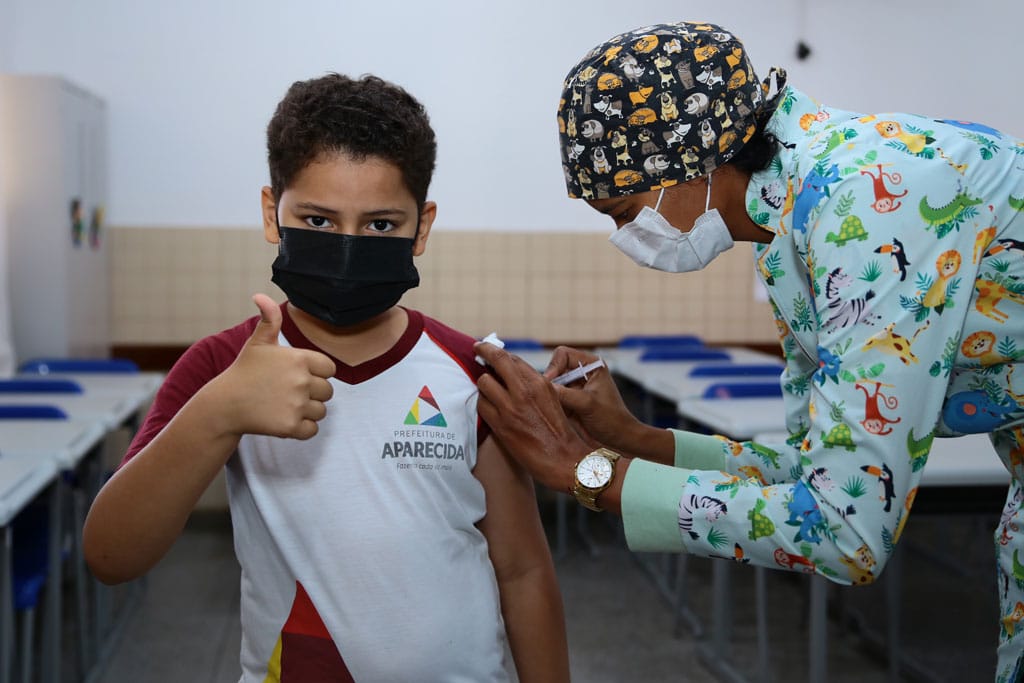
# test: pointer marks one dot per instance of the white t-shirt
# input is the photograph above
(358, 547)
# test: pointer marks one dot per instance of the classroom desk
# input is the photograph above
(139, 386)
(538, 359)
(967, 461)
(111, 410)
(109, 401)
(741, 419)
(121, 382)
(136, 389)
(674, 388)
(737, 418)
(66, 442)
(50, 446)
(21, 481)
(670, 381)
(626, 362)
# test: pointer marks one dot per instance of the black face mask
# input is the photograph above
(343, 279)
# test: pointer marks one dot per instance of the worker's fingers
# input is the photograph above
(512, 370)
(493, 391)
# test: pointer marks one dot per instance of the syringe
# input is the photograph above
(577, 373)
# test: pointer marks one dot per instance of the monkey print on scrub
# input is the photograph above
(896, 274)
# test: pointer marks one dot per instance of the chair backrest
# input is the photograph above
(736, 370)
(743, 390)
(44, 366)
(32, 412)
(682, 353)
(39, 386)
(634, 341)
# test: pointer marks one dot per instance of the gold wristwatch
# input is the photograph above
(593, 474)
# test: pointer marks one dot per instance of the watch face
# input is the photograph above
(594, 471)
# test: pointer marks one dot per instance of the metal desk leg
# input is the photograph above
(680, 603)
(893, 574)
(6, 604)
(52, 620)
(819, 629)
(583, 529)
(714, 653)
(761, 598)
(85, 636)
(721, 616)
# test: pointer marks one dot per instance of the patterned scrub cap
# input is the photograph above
(657, 106)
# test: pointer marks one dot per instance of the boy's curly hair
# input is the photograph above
(369, 117)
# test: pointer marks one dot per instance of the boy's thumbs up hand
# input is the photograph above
(273, 389)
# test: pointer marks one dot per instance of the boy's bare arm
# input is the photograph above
(268, 389)
(531, 602)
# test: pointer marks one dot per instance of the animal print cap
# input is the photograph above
(657, 106)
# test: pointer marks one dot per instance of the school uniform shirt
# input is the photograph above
(896, 274)
(359, 552)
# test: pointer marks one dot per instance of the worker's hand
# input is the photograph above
(594, 403)
(272, 389)
(521, 408)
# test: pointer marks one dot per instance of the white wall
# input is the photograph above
(7, 360)
(191, 84)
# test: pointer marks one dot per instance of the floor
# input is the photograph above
(621, 628)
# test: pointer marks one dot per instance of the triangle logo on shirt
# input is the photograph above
(425, 411)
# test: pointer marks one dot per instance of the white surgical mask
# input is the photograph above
(652, 242)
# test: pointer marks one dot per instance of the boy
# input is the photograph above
(382, 534)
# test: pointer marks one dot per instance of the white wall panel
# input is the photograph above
(191, 84)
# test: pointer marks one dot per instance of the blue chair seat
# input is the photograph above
(39, 386)
(743, 390)
(522, 345)
(32, 412)
(736, 370)
(44, 366)
(634, 341)
(682, 353)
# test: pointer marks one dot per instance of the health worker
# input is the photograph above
(892, 249)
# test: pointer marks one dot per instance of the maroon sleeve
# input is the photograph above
(460, 347)
(203, 361)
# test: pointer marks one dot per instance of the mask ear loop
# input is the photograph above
(660, 196)
(277, 218)
(707, 202)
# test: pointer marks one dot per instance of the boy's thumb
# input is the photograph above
(269, 325)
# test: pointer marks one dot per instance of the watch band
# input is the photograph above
(585, 495)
